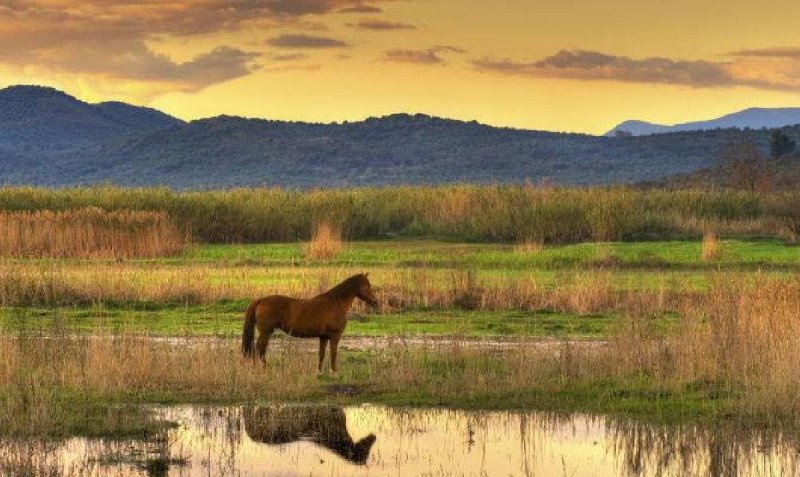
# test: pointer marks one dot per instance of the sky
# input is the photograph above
(568, 65)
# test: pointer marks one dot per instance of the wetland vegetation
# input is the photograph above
(568, 302)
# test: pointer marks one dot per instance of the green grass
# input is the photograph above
(225, 320)
(678, 254)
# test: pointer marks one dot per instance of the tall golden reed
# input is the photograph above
(711, 247)
(325, 244)
(89, 233)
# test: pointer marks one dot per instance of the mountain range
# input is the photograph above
(50, 138)
(753, 118)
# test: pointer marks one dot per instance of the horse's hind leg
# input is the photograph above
(261, 345)
(323, 343)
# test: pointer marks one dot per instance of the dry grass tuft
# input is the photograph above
(89, 233)
(529, 245)
(326, 243)
(711, 247)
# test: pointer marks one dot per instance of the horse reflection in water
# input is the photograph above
(324, 425)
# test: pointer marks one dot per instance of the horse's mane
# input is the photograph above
(346, 288)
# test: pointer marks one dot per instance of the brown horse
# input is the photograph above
(323, 317)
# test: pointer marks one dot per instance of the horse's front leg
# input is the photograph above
(334, 351)
(323, 343)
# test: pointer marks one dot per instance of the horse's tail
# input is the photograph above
(249, 330)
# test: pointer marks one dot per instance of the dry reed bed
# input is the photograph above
(64, 284)
(508, 213)
(89, 233)
(742, 339)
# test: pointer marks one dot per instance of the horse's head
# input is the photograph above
(364, 291)
(360, 451)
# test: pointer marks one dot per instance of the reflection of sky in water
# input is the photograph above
(428, 442)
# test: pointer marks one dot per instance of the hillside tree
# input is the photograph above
(781, 145)
(745, 164)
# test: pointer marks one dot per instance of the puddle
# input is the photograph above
(327, 440)
(362, 343)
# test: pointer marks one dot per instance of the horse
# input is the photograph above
(324, 425)
(323, 317)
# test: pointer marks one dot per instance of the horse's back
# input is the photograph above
(273, 310)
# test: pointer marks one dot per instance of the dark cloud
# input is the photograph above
(428, 56)
(777, 52)
(299, 40)
(360, 8)
(381, 25)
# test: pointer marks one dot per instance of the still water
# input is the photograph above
(301, 440)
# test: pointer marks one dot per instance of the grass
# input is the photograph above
(684, 339)
(325, 244)
(727, 353)
(474, 213)
(89, 233)
(431, 253)
(711, 247)
(225, 320)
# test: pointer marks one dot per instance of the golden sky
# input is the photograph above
(568, 65)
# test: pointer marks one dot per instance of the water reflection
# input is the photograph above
(322, 425)
(329, 440)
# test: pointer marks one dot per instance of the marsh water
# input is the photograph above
(327, 440)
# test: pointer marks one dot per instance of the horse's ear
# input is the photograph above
(366, 274)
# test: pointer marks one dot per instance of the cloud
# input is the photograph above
(448, 49)
(289, 57)
(428, 56)
(223, 63)
(299, 40)
(592, 65)
(425, 57)
(360, 8)
(381, 25)
(135, 61)
(776, 52)
(298, 7)
(119, 38)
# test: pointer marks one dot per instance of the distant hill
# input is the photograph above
(34, 118)
(753, 118)
(50, 138)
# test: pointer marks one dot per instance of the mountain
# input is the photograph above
(39, 119)
(753, 118)
(49, 138)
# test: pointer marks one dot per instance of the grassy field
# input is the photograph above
(667, 254)
(427, 288)
(224, 320)
(682, 337)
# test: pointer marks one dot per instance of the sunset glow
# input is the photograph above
(575, 66)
